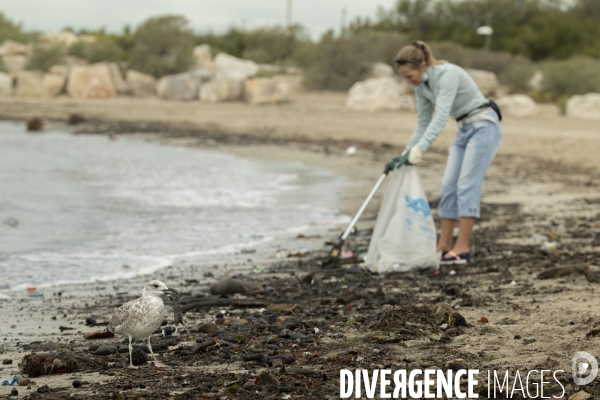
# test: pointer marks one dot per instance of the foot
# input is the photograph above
(452, 257)
(160, 365)
(133, 366)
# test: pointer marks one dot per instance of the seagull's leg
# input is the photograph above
(130, 354)
(156, 363)
(176, 329)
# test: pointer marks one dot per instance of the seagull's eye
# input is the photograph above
(156, 286)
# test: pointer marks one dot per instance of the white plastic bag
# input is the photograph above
(404, 237)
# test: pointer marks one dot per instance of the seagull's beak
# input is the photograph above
(169, 291)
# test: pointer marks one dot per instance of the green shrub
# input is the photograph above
(162, 45)
(339, 62)
(576, 75)
(45, 55)
(11, 31)
(268, 45)
(103, 49)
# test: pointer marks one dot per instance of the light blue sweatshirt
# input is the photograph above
(453, 93)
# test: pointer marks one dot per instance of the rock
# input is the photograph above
(76, 383)
(197, 294)
(106, 350)
(221, 90)
(38, 84)
(486, 81)
(517, 105)
(12, 48)
(585, 106)
(380, 70)
(7, 361)
(35, 125)
(378, 94)
(140, 84)
(230, 67)
(183, 86)
(14, 392)
(91, 82)
(266, 91)
(121, 85)
(14, 63)
(75, 119)
(203, 57)
(65, 37)
(6, 84)
(581, 395)
(23, 381)
(90, 321)
(60, 70)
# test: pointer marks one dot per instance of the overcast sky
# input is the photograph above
(204, 15)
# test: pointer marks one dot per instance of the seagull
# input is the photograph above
(139, 318)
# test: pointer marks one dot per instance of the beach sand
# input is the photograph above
(545, 181)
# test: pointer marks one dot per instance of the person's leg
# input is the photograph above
(480, 151)
(448, 204)
(446, 234)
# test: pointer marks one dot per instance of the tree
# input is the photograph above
(162, 45)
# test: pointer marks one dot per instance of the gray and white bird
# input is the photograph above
(139, 318)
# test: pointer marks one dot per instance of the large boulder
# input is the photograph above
(121, 85)
(91, 82)
(38, 84)
(486, 81)
(379, 70)
(266, 91)
(12, 48)
(59, 69)
(379, 94)
(203, 57)
(230, 67)
(182, 87)
(14, 63)
(6, 84)
(517, 105)
(221, 90)
(585, 106)
(140, 84)
(65, 37)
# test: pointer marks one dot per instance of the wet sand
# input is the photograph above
(528, 192)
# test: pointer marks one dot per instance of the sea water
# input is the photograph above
(85, 207)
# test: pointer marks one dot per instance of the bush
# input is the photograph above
(162, 46)
(45, 55)
(10, 30)
(339, 62)
(103, 49)
(576, 75)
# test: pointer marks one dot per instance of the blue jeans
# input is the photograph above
(469, 157)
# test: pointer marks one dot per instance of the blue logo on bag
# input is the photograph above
(418, 205)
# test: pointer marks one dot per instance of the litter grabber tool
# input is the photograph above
(396, 162)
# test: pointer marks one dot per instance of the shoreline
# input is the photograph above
(523, 196)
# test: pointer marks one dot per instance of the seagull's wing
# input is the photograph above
(121, 316)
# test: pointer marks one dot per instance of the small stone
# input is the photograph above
(528, 341)
(7, 361)
(76, 383)
(142, 386)
(90, 321)
(106, 350)
(262, 394)
(23, 381)
(14, 392)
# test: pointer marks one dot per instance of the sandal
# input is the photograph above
(453, 258)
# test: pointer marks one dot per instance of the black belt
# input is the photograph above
(491, 103)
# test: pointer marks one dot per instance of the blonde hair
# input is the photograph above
(415, 53)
